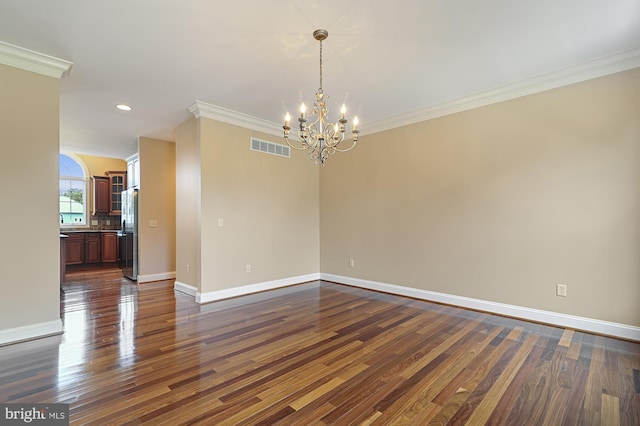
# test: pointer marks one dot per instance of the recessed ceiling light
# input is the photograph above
(123, 107)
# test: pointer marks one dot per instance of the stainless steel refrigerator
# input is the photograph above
(130, 233)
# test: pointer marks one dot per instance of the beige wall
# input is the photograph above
(29, 253)
(156, 202)
(98, 166)
(268, 204)
(188, 211)
(500, 203)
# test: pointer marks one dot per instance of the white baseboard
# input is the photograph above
(563, 320)
(28, 332)
(212, 296)
(156, 277)
(185, 288)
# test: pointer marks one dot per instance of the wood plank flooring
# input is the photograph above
(313, 354)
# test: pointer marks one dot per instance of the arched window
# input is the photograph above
(73, 192)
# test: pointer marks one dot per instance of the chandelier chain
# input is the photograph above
(320, 64)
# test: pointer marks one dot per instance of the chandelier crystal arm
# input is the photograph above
(321, 137)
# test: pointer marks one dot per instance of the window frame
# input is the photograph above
(85, 185)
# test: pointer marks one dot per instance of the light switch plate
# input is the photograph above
(153, 223)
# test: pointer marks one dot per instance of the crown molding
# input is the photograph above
(202, 109)
(599, 67)
(30, 60)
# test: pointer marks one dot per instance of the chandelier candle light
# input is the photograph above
(321, 138)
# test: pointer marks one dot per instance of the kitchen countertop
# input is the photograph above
(87, 231)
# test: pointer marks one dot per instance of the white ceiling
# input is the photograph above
(384, 59)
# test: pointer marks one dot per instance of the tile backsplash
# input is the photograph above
(105, 222)
(100, 222)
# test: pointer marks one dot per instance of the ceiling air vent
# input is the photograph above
(269, 147)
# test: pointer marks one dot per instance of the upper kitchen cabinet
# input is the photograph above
(107, 191)
(101, 195)
(117, 184)
(133, 171)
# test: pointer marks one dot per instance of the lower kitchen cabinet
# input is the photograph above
(75, 249)
(109, 247)
(93, 248)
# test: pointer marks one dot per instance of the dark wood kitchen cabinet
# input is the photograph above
(75, 249)
(109, 247)
(63, 257)
(87, 247)
(117, 184)
(101, 194)
(93, 247)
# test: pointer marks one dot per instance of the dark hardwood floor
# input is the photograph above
(317, 353)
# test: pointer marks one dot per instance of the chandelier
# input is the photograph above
(321, 138)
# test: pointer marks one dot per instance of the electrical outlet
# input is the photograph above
(248, 268)
(108, 222)
(188, 268)
(352, 263)
(220, 222)
(561, 290)
(153, 223)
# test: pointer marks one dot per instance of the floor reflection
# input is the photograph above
(89, 323)
(127, 308)
(72, 350)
